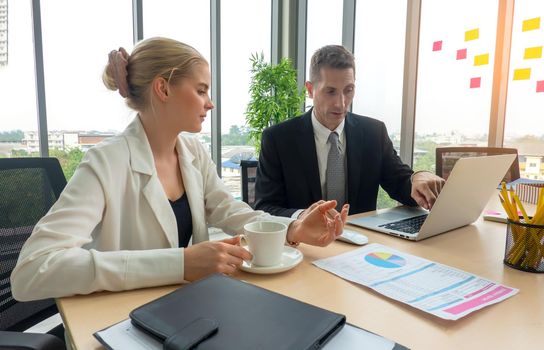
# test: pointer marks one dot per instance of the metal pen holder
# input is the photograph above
(524, 246)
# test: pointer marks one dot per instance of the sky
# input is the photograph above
(76, 47)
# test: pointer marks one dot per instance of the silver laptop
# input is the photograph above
(469, 187)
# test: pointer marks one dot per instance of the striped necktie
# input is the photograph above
(336, 179)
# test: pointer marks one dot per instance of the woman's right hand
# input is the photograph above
(205, 258)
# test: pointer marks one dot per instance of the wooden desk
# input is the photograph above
(515, 323)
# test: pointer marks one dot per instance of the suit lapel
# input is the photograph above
(141, 160)
(308, 155)
(155, 196)
(354, 152)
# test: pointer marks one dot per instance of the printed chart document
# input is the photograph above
(438, 289)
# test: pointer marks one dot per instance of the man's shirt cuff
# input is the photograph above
(297, 213)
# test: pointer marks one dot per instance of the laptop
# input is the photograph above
(468, 189)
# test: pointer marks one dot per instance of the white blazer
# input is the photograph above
(113, 227)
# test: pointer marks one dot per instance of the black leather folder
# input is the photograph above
(220, 312)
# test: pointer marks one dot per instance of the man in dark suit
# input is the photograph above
(330, 153)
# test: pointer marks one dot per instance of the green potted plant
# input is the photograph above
(275, 96)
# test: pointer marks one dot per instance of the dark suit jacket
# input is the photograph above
(288, 174)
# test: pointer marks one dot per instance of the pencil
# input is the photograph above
(523, 212)
(507, 208)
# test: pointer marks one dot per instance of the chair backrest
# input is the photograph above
(28, 188)
(249, 173)
(447, 156)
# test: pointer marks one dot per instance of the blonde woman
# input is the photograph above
(136, 212)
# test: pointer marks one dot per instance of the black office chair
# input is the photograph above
(28, 188)
(249, 173)
(446, 157)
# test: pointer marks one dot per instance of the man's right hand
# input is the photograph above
(304, 213)
(320, 226)
(330, 214)
(224, 256)
(425, 188)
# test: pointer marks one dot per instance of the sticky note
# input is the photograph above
(540, 86)
(533, 52)
(472, 34)
(480, 60)
(522, 74)
(475, 82)
(461, 54)
(437, 45)
(531, 24)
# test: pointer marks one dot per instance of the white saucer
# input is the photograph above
(291, 257)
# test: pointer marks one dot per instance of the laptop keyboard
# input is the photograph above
(410, 225)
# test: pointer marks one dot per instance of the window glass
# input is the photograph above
(324, 27)
(18, 114)
(524, 127)
(187, 21)
(380, 30)
(379, 57)
(455, 76)
(245, 30)
(81, 111)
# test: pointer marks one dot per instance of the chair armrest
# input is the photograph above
(30, 341)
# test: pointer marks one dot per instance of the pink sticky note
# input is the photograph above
(461, 54)
(475, 82)
(437, 45)
(540, 86)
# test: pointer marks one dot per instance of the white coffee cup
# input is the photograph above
(266, 240)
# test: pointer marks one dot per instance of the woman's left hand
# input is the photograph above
(320, 226)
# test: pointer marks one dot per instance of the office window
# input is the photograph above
(524, 128)
(455, 75)
(81, 111)
(184, 20)
(187, 21)
(379, 57)
(245, 30)
(18, 112)
(380, 29)
(324, 27)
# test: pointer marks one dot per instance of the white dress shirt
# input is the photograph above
(322, 147)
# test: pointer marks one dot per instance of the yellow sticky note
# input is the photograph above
(531, 24)
(533, 52)
(472, 34)
(522, 74)
(480, 60)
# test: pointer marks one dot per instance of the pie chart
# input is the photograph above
(385, 260)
